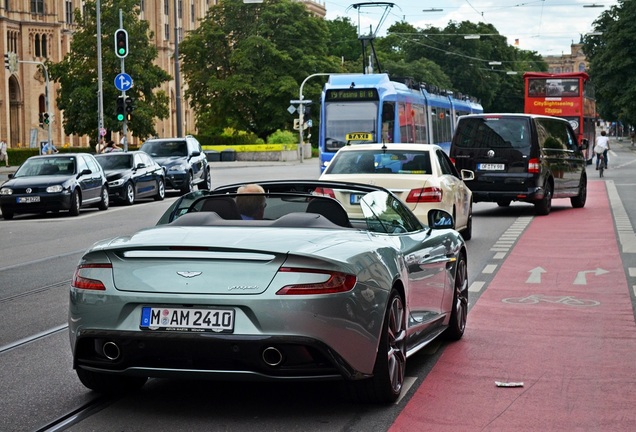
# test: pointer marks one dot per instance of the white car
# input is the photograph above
(421, 175)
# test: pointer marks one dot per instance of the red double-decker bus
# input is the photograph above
(566, 95)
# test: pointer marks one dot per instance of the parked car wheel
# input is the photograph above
(543, 206)
(188, 186)
(76, 203)
(7, 215)
(110, 384)
(207, 183)
(390, 364)
(161, 190)
(579, 200)
(103, 204)
(459, 314)
(130, 194)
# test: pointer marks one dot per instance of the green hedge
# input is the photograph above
(18, 155)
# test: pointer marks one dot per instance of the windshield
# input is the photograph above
(493, 132)
(165, 148)
(553, 87)
(62, 165)
(380, 161)
(342, 118)
(120, 161)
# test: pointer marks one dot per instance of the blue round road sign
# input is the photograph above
(123, 82)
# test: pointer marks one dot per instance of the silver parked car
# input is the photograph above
(332, 281)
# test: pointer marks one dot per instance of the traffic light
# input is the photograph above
(41, 119)
(129, 108)
(121, 108)
(121, 43)
(45, 118)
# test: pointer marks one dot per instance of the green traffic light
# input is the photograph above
(122, 51)
(120, 117)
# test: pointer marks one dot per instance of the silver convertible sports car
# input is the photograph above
(310, 280)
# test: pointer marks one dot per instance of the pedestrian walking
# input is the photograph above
(4, 153)
(101, 145)
(601, 148)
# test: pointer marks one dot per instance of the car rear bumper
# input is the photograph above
(527, 195)
(204, 355)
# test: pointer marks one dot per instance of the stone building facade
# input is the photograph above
(42, 30)
(575, 61)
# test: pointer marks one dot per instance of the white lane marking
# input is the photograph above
(626, 235)
(476, 286)
(489, 269)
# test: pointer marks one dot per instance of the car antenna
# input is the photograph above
(384, 147)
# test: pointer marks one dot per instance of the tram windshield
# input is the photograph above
(342, 118)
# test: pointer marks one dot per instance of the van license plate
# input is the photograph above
(490, 167)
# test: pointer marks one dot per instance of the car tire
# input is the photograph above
(103, 204)
(579, 200)
(110, 384)
(206, 184)
(544, 205)
(129, 196)
(7, 215)
(161, 190)
(388, 373)
(459, 313)
(76, 203)
(504, 203)
(467, 233)
(188, 186)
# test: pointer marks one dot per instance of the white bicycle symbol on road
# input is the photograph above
(538, 298)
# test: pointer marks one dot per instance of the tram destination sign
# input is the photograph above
(354, 94)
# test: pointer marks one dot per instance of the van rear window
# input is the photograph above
(493, 132)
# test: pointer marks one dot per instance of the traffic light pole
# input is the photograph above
(123, 93)
(47, 98)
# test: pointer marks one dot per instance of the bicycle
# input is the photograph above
(601, 164)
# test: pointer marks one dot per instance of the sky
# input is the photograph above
(548, 27)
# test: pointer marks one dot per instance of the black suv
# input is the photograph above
(183, 160)
(521, 157)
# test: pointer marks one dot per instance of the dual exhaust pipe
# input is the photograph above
(271, 356)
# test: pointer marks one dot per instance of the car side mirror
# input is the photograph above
(440, 219)
(84, 172)
(195, 153)
(140, 165)
(467, 175)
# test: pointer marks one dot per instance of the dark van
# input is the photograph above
(521, 157)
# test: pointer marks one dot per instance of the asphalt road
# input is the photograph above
(38, 255)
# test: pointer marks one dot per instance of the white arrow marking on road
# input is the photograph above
(581, 279)
(535, 275)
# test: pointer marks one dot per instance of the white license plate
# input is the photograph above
(355, 198)
(187, 319)
(491, 167)
(29, 199)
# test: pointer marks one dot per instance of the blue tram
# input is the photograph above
(381, 110)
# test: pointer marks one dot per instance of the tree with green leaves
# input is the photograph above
(612, 63)
(245, 63)
(77, 72)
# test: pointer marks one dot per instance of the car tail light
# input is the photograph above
(427, 194)
(534, 165)
(81, 282)
(338, 282)
(325, 192)
(452, 161)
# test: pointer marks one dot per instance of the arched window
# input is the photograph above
(44, 51)
(37, 45)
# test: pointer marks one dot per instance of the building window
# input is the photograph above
(142, 5)
(37, 45)
(6, 5)
(180, 5)
(37, 7)
(69, 12)
(44, 51)
(166, 7)
(166, 30)
(192, 11)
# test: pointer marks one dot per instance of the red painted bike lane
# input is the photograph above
(567, 332)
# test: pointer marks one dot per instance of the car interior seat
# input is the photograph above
(223, 206)
(366, 163)
(331, 209)
(49, 169)
(419, 163)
